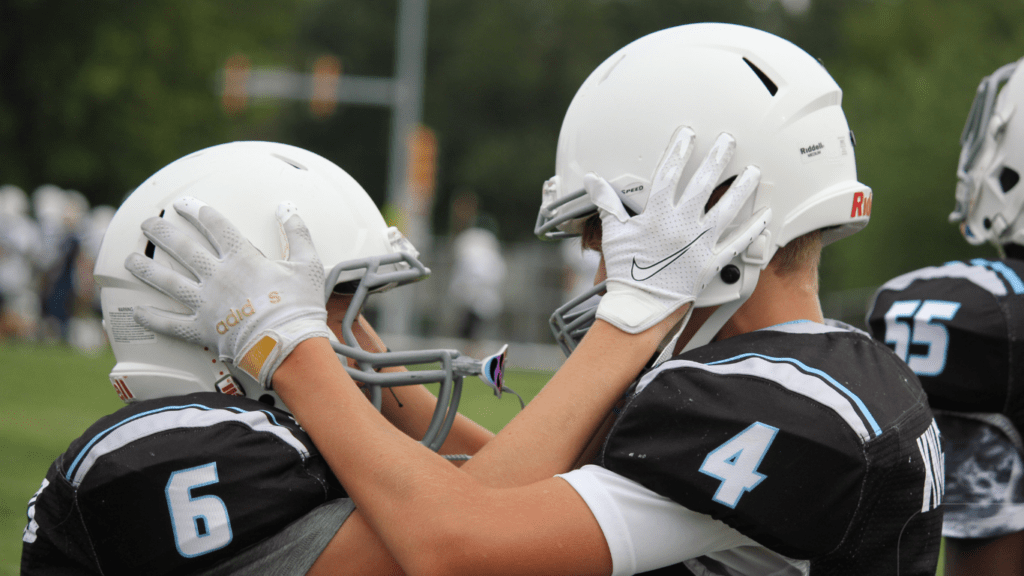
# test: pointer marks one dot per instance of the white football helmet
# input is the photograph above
(13, 201)
(779, 103)
(988, 200)
(246, 181)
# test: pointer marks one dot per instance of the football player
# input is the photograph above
(774, 443)
(960, 327)
(204, 470)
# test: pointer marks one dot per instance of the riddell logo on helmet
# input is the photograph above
(861, 204)
(234, 317)
(812, 150)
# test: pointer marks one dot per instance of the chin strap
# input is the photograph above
(707, 332)
(668, 345)
(714, 324)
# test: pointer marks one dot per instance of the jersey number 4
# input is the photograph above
(201, 525)
(735, 462)
(917, 322)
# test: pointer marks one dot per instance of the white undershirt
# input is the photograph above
(645, 530)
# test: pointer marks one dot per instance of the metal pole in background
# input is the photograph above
(407, 106)
(403, 94)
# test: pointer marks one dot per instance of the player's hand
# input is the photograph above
(253, 310)
(661, 259)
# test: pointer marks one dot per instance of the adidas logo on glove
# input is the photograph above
(234, 317)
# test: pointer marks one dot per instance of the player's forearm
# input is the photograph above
(549, 436)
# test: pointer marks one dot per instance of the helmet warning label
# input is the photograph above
(124, 329)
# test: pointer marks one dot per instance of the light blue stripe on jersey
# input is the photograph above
(790, 374)
(808, 327)
(169, 418)
(856, 399)
(1011, 277)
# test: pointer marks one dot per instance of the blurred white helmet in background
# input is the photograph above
(95, 227)
(48, 203)
(778, 102)
(13, 201)
(989, 200)
(76, 211)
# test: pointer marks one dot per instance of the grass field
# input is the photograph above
(50, 395)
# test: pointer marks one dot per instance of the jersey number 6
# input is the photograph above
(201, 525)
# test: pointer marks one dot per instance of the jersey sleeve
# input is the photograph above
(645, 530)
(62, 547)
(176, 486)
(732, 443)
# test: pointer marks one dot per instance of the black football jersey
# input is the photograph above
(173, 486)
(960, 327)
(814, 441)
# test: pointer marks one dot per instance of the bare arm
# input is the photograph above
(433, 517)
(550, 435)
(489, 528)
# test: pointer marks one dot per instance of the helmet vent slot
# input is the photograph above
(1008, 178)
(772, 88)
(289, 162)
(150, 247)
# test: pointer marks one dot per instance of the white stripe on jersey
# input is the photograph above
(169, 418)
(786, 375)
(29, 534)
(977, 274)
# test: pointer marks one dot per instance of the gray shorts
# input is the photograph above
(984, 475)
(292, 550)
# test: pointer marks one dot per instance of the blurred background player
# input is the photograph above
(19, 248)
(85, 330)
(960, 327)
(478, 272)
(204, 470)
(61, 215)
(775, 444)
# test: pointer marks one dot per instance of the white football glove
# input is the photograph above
(252, 310)
(661, 259)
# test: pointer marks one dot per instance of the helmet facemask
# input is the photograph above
(376, 278)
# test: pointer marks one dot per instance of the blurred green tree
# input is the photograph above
(909, 71)
(499, 78)
(98, 99)
(98, 96)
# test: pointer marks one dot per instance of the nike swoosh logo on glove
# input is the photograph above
(663, 263)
